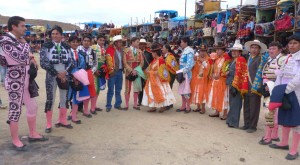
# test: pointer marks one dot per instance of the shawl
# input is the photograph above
(257, 83)
(240, 80)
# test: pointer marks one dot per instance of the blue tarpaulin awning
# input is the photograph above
(93, 23)
(179, 19)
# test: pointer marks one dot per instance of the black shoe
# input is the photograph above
(69, 117)
(23, 148)
(41, 139)
(108, 109)
(180, 110)
(98, 109)
(251, 130)
(276, 140)
(87, 115)
(139, 104)
(263, 142)
(244, 128)
(93, 112)
(48, 130)
(275, 146)
(77, 122)
(292, 157)
(120, 108)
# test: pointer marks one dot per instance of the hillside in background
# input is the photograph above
(40, 22)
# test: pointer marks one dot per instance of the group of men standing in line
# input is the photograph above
(221, 81)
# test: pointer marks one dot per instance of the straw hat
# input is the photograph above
(263, 47)
(117, 38)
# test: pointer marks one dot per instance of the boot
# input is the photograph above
(49, 121)
(14, 132)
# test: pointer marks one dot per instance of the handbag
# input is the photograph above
(180, 77)
(32, 72)
(131, 77)
(62, 85)
(76, 85)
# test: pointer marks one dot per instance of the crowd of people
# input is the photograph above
(225, 80)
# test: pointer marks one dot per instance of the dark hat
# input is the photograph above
(220, 45)
(155, 46)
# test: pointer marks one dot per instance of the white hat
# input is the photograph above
(142, 40)
(117, 38)
(263, 47)
(237, 45)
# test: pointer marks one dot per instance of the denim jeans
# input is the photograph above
(3, 70)
(114, 85)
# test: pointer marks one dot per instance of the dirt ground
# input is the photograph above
(138, 138)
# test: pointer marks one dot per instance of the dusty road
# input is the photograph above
(138, 138)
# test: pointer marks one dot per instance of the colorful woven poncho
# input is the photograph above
(257, 83)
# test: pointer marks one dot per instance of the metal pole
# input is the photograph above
(185, 21)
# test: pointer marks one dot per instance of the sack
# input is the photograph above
(180, 77)
(131, 77)
(62, 85)
(233, 91)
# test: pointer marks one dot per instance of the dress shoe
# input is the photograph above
(48, 130)
(251, 130)
(244, 128)
(23, 148)
(275, 146)
(108, 109)
(292, 157)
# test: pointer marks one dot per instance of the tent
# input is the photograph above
(286, 3)
(178, 19)
(172, 13)
(93, 23)
(210, 15)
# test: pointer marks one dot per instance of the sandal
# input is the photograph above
(223, 118)
(41, 139)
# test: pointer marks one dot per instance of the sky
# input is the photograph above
(119, 12)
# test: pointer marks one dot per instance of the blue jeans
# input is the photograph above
(114, 85)
(3, 70)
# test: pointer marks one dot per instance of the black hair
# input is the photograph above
(294, 37)
(133, 39)
(87, 36)
(168, 47)
(186, 39)
(57, 28)
(73, 38)
(277, 44)
(155, 47)
(15, 20)
(100, 36)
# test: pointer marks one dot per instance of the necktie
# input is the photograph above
(76, 55)
(58, 48)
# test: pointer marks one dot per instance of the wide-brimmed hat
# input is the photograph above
(238, 46)
(117, 38)
(143, 41)
(220, 45)
(263, 47)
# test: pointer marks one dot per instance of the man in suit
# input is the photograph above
(147, 60)
(252, 99)
(114, 63)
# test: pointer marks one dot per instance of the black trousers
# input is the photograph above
(251, 110)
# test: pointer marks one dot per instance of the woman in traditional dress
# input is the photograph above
(157, 91)
(237, 83)
(199, 83)
(289, 79)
